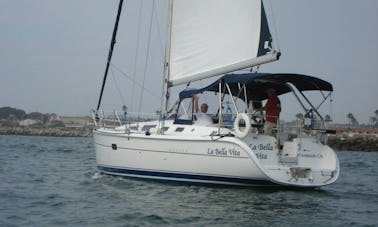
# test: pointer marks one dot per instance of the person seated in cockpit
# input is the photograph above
(272, 109)
(202, 117)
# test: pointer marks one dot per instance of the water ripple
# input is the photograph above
(49, 181)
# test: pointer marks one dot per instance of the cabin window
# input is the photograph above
(179, 129)
(134, 127)
(148, 127)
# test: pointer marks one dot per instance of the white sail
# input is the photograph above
(212, 37)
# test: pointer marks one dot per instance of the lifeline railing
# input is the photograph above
(287, 131)
(114, 119)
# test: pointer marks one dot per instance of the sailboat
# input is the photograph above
(209, 38)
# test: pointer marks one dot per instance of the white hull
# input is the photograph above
(213, 153)
(191, 155)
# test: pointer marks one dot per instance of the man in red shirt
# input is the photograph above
(272, 109)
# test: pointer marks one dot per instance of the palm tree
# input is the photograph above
(327, 118)
(299, 116)
(373, 121)
(349, 116)
(376, 113)
(352, 119)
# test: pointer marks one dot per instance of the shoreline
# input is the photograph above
(368, 143)
(360, 142)
(55, 132)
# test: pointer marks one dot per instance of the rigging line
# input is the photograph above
(159, 35)
(324, 99)
(205, 96)
(274, 26)
(136, 54)
(117, 87)
(112, 43)
(330, 107)
(133, 81)
(147, 58)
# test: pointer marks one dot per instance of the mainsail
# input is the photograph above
(213, 37)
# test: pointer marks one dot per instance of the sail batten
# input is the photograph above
(211, 37)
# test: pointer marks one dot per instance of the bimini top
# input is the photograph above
(257, 84)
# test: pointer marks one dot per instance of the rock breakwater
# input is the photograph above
(354, 143)
(58, 132)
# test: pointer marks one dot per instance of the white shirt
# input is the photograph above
(203, 119)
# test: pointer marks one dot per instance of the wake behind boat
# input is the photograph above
(230, 147)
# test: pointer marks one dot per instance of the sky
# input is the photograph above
(53, 54)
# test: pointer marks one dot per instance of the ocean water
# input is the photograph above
(47, 181)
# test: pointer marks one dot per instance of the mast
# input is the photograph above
(110, 53)
(166, 84)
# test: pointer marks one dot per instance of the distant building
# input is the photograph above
(28, 122)
(53, 117)
(75, 122)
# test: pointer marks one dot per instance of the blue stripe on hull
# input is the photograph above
(185, 177)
